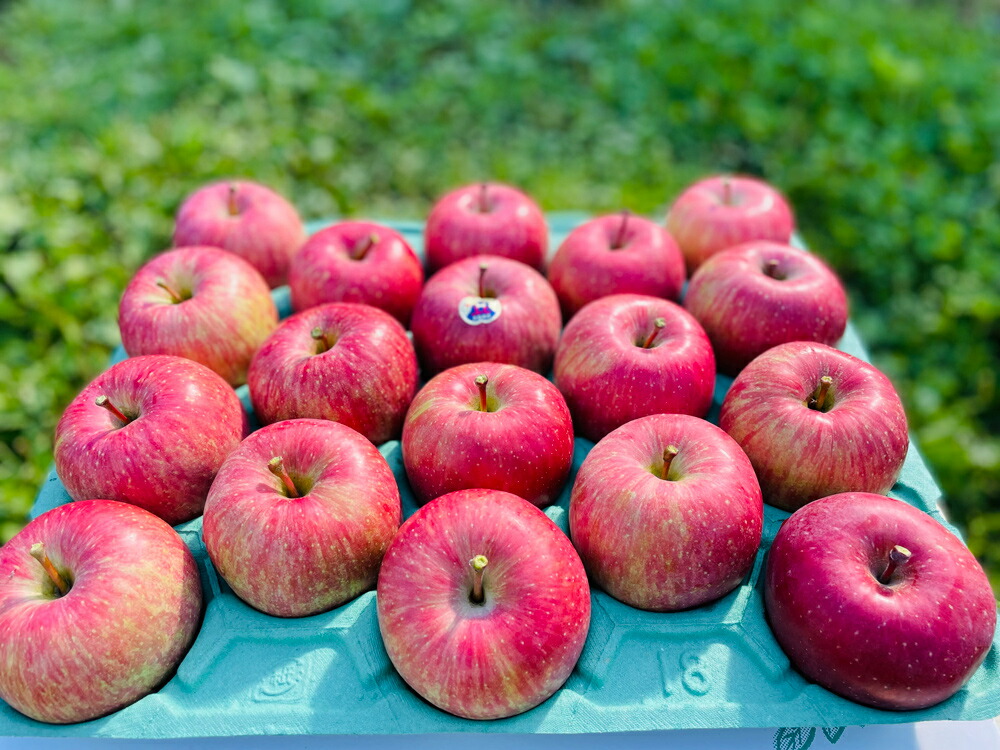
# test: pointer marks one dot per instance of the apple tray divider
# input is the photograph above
(717, 666)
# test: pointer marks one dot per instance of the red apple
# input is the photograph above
(752, 297)
(483, 604)
(627, 356)
(486, 309)
(151, 431)
(244, 218)
(488, 425)
(485, 219)
(722, 211)
(878, 602)
(357, 261)
(666, 513)
(300, 515)
(619, 254)
(342, 361)
(201, 303)
(816, 421)
(99, 601)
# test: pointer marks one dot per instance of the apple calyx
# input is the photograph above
(277, 467)
(669, 453)
(484, 200)
(37, 551)
(619, 240)
(105, 403)
(771, 269)
(323, 344)
(897, 556)
(481, 381)
(175, 296)
(658, 325)
(234, 210)
(478, 564)
(363, 245)
(820, 401)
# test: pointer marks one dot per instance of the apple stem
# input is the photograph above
(658, 325)
(321, 340)
(363, 246)
(177, 298)
(727, 192)
(277, 467)
(105, 403)
(620, 236)
(824, 388)
(234, 210)
(897, 556)
(771, 269)
(37, 551)
(484, 203)
(482, 275)
(478, 563)
(481, 381)
(669, 453)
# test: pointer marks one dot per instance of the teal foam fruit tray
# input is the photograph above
(717, 666)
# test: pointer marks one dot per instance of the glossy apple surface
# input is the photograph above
(755, 296)
(524, 331)
(614, 364)
(720, 212)
(201, 303)
(182, 420)
(617, 254)
(521, 442)
(299, 549)
(247, 219)
(804, 447)
(360, 371)
(357, 261)
(485, 219)
(898, 638)
(131, 611)
(510, 648)
(666, 513)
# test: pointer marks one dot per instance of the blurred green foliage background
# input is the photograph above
(881, 121)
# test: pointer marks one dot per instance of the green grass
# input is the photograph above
(880, 121)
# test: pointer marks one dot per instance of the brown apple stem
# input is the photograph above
(233, 208)
(658, 325)
(620, 235)
(727, 192)
(771, 269)
(897, 556)
(321, 340)
(363, 246)
(481, 381)
(105, 403)
(482, 275)
(170, 290)
(37, 551)
(484, 203)
(478, 564)
(277, 467)
(824, 388)
(668, 456)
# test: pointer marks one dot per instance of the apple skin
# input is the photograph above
(525, 333)
(755, 296)
(225, 315)
(292, 557)
(617, 254)
(666, 544)
(512, 226)
(515, 649)
(256, 224)
(523, 445)
(131, 613)
(800, 453)
(388, 275)
(704, 221)
(609, 378)
(365, 379)
(907, 644)
(185, 421)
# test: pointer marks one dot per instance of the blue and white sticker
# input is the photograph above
(477, 311)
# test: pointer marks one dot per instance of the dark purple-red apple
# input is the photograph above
(878, 602)
(357, 261)
(201, 303)
(151, 431)
(99, 602)
(485, 219)
(722, 211)
(816, 421)
(483, 604)
(755, 296)
(627, 356)
(666, 513)
(299, 516)
(618, 254)
(488, 425)
(341, 361)
(486, 309)
(244, 218)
